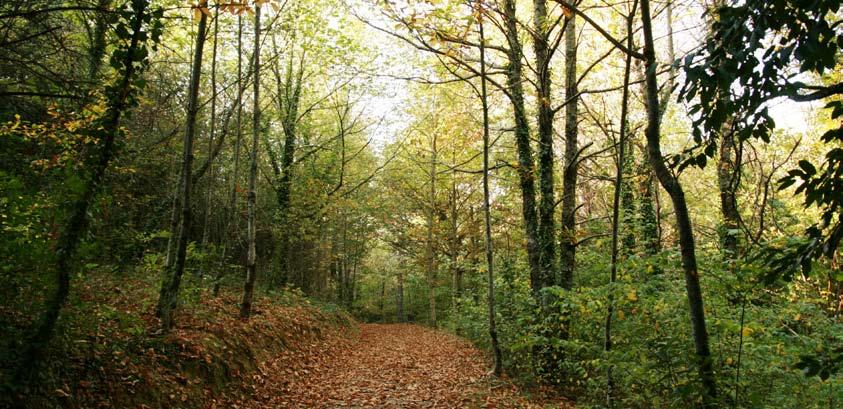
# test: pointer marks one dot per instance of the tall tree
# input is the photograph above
(206, 231)
(487, 211)
(671, 184)
(232, 219)
(171, 285)
(251, 256)
(567, 253)
(547, 203)
(616, 204)
(526, 166)
(431, 250)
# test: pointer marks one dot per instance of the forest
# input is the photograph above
(421, 203)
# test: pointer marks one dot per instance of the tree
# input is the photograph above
(168, 298)
(487, 212)
(543, 50)
(526, 165)
(616, 203)
(683, 222)
(251, 255)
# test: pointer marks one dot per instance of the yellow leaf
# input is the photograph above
(197, 14)
(205, 11)
(746, 332)
(632, 296)
(729, 361)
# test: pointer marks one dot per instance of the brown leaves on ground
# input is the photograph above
(392, 366)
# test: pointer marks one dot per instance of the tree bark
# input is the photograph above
(616, 217)
(547, 203)
(487, 211)
(232, 199)
(526, 166)
(567, 253)
(399, 298)
(206, 223)
(170, 288)
(683, 222)
(727, 182)
(251, 257)
(431, 253)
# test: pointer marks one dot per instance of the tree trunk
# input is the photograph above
(206, 224)
(251, 257)
(547, 204)
(568, 240)
(728, 180)
(487, 212)
(522, 141)
(683, 221)
(399, 297)
(232, 199)
(382, 303)
(454, 244)
(616, 220)
(170, 289)
(431, 254)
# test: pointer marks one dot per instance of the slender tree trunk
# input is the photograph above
(431, 254)
(526, 167)
(399, 298)
(487, 211)
(454, 243)
(170, 289)
(251, 257)
(683, 221)
(232, 200)
(382, 303)
(728, 179)
(38, 344)
(206, 224)
(547, 203)
(619, 185)
(568, 239)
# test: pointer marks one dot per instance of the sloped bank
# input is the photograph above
(110, 355)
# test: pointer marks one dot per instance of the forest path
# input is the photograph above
(388, 366)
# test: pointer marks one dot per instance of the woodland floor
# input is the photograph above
(392, 366)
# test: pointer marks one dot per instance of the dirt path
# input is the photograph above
(392, 366)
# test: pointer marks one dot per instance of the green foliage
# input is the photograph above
(763, 341)
(749, 61)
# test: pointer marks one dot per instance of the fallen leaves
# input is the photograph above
(406, 366)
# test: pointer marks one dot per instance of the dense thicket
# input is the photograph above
(636, 203)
